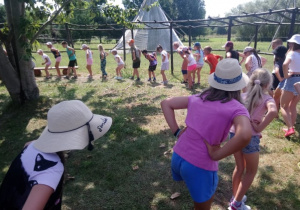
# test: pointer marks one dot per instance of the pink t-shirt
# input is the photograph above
(209, 120)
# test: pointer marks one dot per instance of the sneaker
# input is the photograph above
(119, 78)
(48, 78)
(116, 77)
(154, 79)
(166, 82)
(149, 80)
(184, 82)
(74, 77)
(289, 132)
(241, 207)
(244, 199)
(131, 77)
(90, 77)
(67, 77)
(138, 79)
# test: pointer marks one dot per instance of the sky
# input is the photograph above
(223, 6)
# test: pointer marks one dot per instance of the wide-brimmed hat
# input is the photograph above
(228, 76)
(295, 39)
(49, 43)
(280, 51)
(228, 44)
(71, 126)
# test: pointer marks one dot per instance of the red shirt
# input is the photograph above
(213, 60)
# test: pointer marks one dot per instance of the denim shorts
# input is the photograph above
(184, 71)
(252, 147)
(201, 183)
(281, 84)
(289, 85)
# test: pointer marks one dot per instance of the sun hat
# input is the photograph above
(83, 46)
(295, 39)
(280, 51)
(40, 51)
(49, 43)
(248, 49)
(228, 44)
(114, 50)
(131, 41)
(228, 76)
(197, 44)
(71, 126)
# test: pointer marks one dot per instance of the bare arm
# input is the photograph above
(263, 61)
(210, 65)
(241, 139)
(285, 67)
(278, 74)
(248, 63)
(271, 114)
(163, 58)
(38, 197)
(168, 107)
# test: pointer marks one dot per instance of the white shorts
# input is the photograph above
(58, 59)
(165, 66)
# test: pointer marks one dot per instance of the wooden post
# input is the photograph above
(255, 37)
(292, 26)
(68, 32)
(229, 29)
(190, 36)
(171, 47)
(124, 44)
(132, 37)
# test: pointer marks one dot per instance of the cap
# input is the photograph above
(197, 44)
(228, 44)
(247, 49)
(84, 46)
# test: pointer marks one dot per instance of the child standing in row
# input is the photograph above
(47, 61)
(191, 67)
(199, 59)
(57, 57)
(164, 63)
(72, 59)
(262, 110)
(120, 63)
(89, 59)
(103, 56)
(211, 59)
(184, 63)
(153, 63)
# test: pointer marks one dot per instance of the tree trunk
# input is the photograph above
(18, 79)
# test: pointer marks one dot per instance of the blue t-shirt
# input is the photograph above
(201, 60)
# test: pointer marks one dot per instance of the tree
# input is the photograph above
(23, 26)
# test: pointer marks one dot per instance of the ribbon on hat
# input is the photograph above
(91, 136)
(227, 81)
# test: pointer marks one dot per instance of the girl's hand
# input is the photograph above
(212, 150)
(181, 132)
(255, 125)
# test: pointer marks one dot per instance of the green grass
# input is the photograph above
(105, 179)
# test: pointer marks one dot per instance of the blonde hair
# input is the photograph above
(260, 81)
(100, 47)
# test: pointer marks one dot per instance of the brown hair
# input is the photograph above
(213, 94)
(277, 41)
(208, 48)
(64, 42)
(296, 46)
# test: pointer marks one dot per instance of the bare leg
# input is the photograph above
(163, 75)
(189, 77)
(74, 70)
(153, 74)
(185, 77)
(89, 68)
(149, 74)
(276, 96)
(47, 72)
(251, 169)
(293, 109)
(57, 69)
(198, 70)
(238, 171)
(285, 101)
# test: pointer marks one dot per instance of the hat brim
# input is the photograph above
(229, 87)
(73, 140)
(293, 41)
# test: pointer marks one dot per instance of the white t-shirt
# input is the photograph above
(254, 64)
(294, 65)
(89, 53)
(191, 60)
(164, 53)
(119, 61)
(46, 57)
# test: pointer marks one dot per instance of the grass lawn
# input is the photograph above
(105, 178)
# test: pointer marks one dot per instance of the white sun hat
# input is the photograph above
(84, 46)
(248, 49)
(40, 51)
(71, 126)
(295, 39)
(228, 76)
(49, 43)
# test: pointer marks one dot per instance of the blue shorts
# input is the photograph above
(252, 147)
(202, 184)
(281, 84)
(289, 85)
(184, 71)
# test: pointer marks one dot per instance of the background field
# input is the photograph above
(104, 178)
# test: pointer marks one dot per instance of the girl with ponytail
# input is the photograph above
(253, 60)
(262, 110)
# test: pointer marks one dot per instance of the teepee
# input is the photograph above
(146, 38)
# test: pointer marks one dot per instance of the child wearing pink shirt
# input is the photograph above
(209, 118)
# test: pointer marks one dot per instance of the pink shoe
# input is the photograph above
(289, 132)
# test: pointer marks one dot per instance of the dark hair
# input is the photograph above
(208, 48)
(159, 47)
(144, 51)
(296, 46)
(213, 94)
(277, 41)
(64, 42)
(257, 57)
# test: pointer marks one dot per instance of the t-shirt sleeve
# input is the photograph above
(217, 56)
(50, 177)
(240, 111)
(290, 55)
